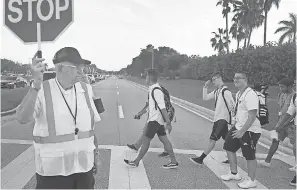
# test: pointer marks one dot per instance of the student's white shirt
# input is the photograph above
(292, 109)
(221, 111)
(247, 101)
(155, 114)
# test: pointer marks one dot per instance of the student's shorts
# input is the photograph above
(153, 127)
(219, 129)
(247, 143)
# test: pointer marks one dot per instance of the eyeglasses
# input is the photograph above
(238, 78)
(72, 66)
(213, 79)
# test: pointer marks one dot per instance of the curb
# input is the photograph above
(284, 148)
(9, 112)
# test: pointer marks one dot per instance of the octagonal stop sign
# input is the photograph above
(22, 16)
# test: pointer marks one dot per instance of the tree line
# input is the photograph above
(267, 63)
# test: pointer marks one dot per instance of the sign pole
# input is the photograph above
(39, 54)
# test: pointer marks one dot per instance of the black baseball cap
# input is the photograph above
(69, 54)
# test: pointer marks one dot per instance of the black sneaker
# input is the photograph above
(197, 160)
(131, 163)
(132, 147)
(170, 166)
(226, 162)
(163, 155)
(293, 182)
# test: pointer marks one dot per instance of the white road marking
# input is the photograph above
(208, 119)
(15, 141)
(138, 176)
(19, 171)
(118, 93)
(220, 169)
(121, 113)
(118, 175)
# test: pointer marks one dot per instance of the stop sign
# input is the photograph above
(22, 16)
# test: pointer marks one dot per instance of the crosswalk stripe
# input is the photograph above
(138, 176)
(19, 171)
(219, 157)
(118, 174)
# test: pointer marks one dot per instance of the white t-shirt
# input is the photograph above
(221, 111)
(153, 113)
(247, 101)
(292, 109)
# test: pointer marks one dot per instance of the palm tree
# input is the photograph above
(237, 33)
(225, 12)
(267, 6)
(289, 29)
(219, 41)
(249, 15)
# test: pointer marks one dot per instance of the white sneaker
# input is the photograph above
(263, 163)
(248, 183)
(293, 169)
(230, 176)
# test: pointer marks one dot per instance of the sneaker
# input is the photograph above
(197, 160)
(132, 147)
(170, 165)
(131, 163)
(230, 176)
(248, 183)
(263, 163)
(293, 182)
(226, 162)
(163, 155)
(293, 169)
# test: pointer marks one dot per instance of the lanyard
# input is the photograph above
(239, 96)
(74, 116)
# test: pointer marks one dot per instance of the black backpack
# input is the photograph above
(262, 112)
(170, 109)
(223, 91)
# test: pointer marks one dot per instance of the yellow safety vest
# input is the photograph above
(51, 163)
(53, 138)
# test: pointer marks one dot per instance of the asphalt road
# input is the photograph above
(190, 136)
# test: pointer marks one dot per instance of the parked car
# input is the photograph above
(91, 78)
(12, 82)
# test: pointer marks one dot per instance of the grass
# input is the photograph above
(11, 98)
(191, 91)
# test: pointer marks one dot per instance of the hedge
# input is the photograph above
(262, 64)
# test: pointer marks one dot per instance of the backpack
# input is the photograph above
(263, 112)
(169, 108)
(223, 91)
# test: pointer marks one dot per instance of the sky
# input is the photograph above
(110, 33)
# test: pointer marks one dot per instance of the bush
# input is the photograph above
(262, 64)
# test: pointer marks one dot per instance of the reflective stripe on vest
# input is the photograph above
(53, 138)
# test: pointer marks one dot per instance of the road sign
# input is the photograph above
(22, 18)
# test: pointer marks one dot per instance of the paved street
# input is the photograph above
(190, 136)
